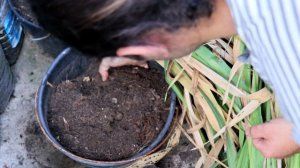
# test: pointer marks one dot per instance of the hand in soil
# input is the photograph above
(110, 62)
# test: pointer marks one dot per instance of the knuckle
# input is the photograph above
(253, 130)
(260, 127)
(257, 129)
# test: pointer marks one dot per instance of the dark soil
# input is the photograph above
(24, 9)
(109, 120)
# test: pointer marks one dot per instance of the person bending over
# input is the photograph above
(133, 31)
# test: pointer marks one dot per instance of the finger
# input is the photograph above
(121, 61)
(103, 71)
(144, 66)
(146, 51)
(260, 144)
(264, 148)
(104, 75)
(258, 131)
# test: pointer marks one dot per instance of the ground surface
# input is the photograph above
(22, 145)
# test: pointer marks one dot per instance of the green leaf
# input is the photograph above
(243, 158)
(256, 158)
(208, 58)
(231, 151)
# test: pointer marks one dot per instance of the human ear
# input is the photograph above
(147, 52)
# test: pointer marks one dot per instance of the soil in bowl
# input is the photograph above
(110, 120)
(24, 9)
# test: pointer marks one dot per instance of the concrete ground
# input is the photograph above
(22, 144)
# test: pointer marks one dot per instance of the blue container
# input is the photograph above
(68, 65)
(11, 33)
(48, 42)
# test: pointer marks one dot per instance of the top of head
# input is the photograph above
(100, 27)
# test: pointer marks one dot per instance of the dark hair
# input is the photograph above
(100, 27)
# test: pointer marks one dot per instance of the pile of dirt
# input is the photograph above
(109, 120)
